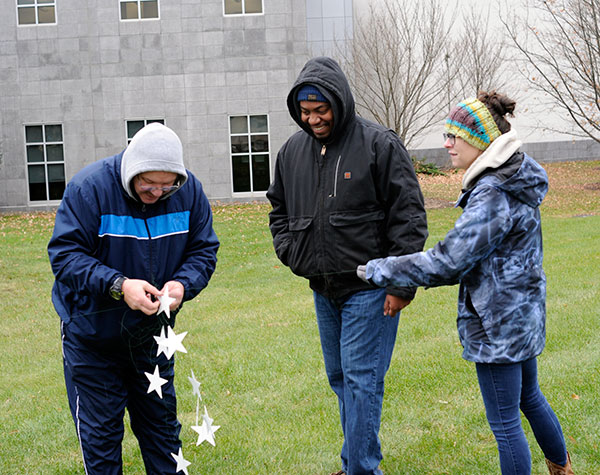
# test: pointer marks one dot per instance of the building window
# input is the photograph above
(134, 126)
(138, 9)
(242, 7)
(36, 12)
(45, 162)
(250, 153)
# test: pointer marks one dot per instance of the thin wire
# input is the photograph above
(164, 320)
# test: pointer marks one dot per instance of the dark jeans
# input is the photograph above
(357, 341)
(506, 388)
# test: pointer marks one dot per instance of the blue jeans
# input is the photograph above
(357, 341)
(506, 388)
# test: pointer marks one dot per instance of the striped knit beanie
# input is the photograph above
(471, 121)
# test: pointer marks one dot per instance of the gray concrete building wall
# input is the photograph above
(328, 23)
(192, 67)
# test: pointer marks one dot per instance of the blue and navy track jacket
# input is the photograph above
(101, 232)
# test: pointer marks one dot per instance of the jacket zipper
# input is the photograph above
(152, 281)
(335, 177)
(322, 192)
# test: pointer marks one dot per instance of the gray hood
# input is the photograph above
(154, 148)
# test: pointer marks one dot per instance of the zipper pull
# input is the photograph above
(323, 150)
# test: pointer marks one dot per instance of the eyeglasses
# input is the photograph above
(150, 188)
(450, 137)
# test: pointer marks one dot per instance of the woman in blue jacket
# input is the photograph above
(495, 253)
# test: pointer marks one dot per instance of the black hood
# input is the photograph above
(326, 75)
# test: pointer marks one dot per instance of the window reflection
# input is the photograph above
(253, 6)
(26, 16)
(238, 7)
(258, 123)
(33, 12)
(250, 153)
(45, 162)
(260, 143)
(239, 144)
(46, 15)
(134, 126)
(149, 9)
(139, 9)
(233, 7)
(238, 124)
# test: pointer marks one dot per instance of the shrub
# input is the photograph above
(421, 166)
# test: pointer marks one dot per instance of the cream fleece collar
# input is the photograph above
(499, 151)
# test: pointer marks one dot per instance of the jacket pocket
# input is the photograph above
(357, 236)
(351, 218)
(300, 255)
(299, 223)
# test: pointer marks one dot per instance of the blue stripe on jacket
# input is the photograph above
(159, 226)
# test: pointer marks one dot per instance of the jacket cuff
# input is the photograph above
(406, 293)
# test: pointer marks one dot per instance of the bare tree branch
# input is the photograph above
(481, 53)
(562, 57)
(407, 69)
(397, 69)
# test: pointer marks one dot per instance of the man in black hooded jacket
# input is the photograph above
(345, 192)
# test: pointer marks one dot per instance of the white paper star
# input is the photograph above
(162, 348)
(173, 343)
(195, 385)
(206, 431)
(165, 303)
(156, 381)
(182, 463)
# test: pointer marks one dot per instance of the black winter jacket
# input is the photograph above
(341, 203)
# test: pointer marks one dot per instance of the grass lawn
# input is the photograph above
(253, 344)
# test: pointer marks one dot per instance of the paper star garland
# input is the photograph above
(162, 348)
(173, 343)
(196, 392)
(165, 303)
(195, 385)
(206, 431)
(156, 382)
(182, 463)
(168, 342)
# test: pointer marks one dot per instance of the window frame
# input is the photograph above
(139, 10)
(45, 162)
(146, 122)
(252, 192)
(262, 10)
(36, 6)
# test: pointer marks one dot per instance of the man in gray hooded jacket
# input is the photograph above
(344, 192)
(128, 227)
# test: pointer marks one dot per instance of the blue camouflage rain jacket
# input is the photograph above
(495, 253)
